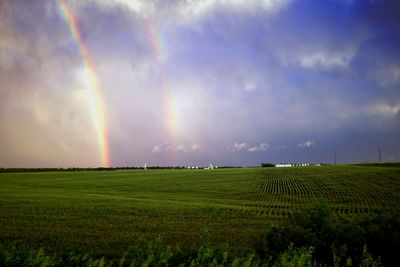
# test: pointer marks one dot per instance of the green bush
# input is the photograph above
(296, 257)
(383, 237)
(333, 244)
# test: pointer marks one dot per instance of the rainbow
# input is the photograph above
(97, 103)
(157, 44)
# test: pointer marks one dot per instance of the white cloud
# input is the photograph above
(195, 147)
(260, 147)
(306, 144)
(193, 10)
(245, 147)
(386, 75)
(178, 148)
(137, 6)
(250, 86)
(156, 149)
(384, 109)
(239, 146)
(188, 11)
(326, 60)
(196, 9)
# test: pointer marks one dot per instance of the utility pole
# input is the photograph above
(380, 158)
(335, 158)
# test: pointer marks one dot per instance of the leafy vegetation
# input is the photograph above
(334, 242)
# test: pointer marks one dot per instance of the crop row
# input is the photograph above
(351, 195)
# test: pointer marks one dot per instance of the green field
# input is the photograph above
(103, 212)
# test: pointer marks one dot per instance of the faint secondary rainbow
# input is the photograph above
(158, 47)
(97, 108)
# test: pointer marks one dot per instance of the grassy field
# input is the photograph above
(104, 212)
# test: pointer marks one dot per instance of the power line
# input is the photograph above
(380, 157)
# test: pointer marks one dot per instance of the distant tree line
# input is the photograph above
(82, 169)
(67, 169)
(267, 165)
(2, 170)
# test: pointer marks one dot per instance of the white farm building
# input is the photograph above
(283, 165)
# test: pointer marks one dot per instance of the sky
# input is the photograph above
(94, 83)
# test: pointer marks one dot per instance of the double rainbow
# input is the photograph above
(97, 108)
(98, 114)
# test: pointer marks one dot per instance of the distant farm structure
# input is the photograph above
(285, 165)
(282, 165)
(210, 167)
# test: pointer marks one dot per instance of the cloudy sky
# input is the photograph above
(188, 82)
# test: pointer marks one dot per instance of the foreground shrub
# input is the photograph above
(144, 253)
(382, 234)
(333, 243)
(296, 257)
